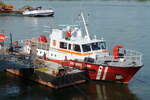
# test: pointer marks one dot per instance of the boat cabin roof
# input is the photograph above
(80, 41)
(75, 36)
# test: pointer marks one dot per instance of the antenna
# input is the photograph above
(11, 46)
(85, 26)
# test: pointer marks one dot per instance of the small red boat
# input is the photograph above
(68, 46)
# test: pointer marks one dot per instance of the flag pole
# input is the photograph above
(11, 47)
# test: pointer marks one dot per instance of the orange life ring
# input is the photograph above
(116, 51)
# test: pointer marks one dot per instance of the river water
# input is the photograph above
(119, 22)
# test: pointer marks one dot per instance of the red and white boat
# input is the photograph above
(38, 12)
(68, 46)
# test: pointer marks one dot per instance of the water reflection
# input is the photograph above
(16, 88)
(109, 91)
(90, 91)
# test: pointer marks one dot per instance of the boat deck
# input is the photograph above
(130, 59)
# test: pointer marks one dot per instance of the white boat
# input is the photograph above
(38, 12)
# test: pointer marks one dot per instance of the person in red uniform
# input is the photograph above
(68, 35)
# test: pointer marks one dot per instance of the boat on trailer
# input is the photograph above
(70, 46)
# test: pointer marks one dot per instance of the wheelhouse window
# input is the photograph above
(63, 45)
(93, 46)
(86, 47)
(98, 45)
(77, 48)
(102, 45)
(69, 47)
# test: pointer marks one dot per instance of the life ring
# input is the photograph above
(116, 51)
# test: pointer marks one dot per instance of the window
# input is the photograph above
(69, 47)
(95, 46)
(98, 45)
(103, 45)
(86, 47)
(77, 48)
(63, 45)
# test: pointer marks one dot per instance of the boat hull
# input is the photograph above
(10, 13)
(39, 13)
(109, 73)
(103, 72)
(47, 79)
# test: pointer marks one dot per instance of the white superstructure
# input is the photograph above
(70, 43)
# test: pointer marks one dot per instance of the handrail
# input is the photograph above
(130, 56)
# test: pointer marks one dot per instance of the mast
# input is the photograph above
(85, 26)
(11, 46)
(10, 40)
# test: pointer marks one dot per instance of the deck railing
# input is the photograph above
(40, 45)
(129, 57)
(133, 56)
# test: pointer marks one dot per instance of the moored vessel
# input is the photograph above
(38, 12)
(46, 73)
(68, 45)
(32, 67)
(8, 10)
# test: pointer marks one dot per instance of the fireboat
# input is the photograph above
(68, 45)
(73, 47)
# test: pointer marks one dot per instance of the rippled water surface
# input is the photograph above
(125, 23)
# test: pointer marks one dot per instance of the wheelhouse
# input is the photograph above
(83, 47)
(94, 46)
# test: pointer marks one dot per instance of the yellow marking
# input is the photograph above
(42, 69)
